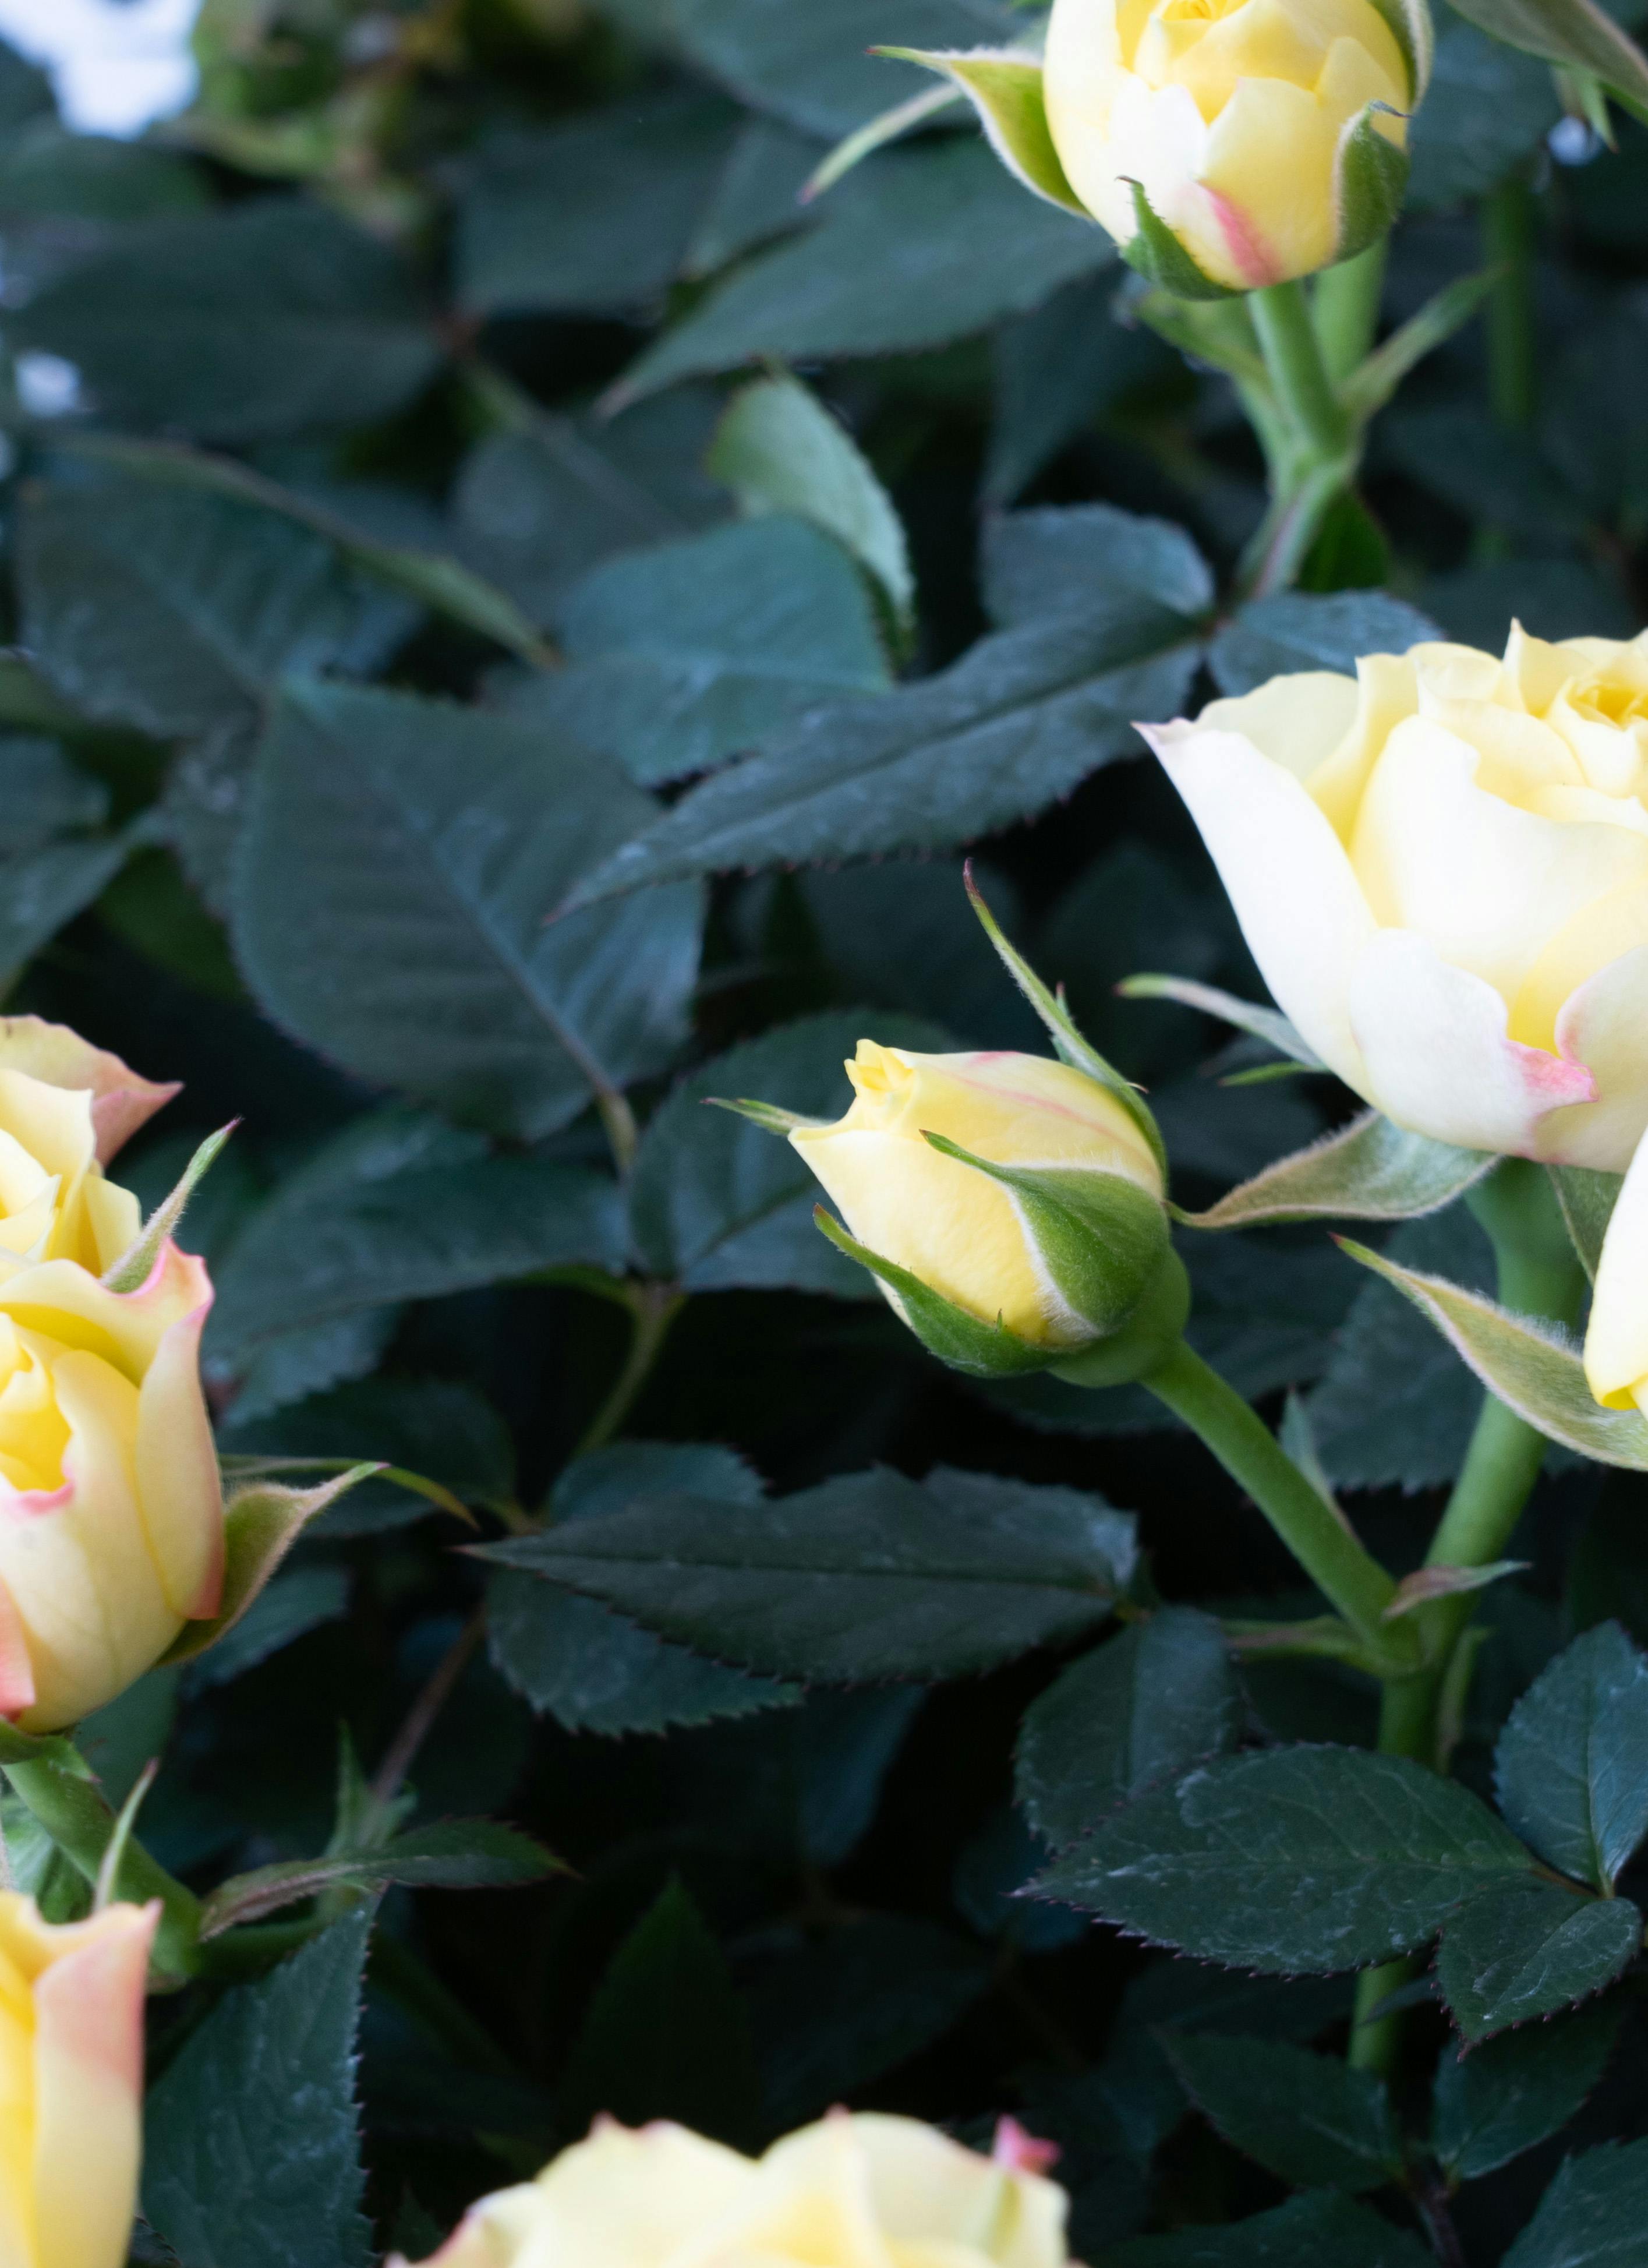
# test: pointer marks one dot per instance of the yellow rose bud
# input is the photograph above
(1442, 870)
(859, 2191)
(71, 2001)
(1253, 128)
(111, 1513)
(973, 1239)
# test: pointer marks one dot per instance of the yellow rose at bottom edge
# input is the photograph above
(71, 2003)
(867, 2190)
(948, 1224)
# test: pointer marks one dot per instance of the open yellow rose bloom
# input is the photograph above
(962, 1234)
(111, 1510)
(1441, 867)
(864, 2191)
(1230, 114)
(71, 2002)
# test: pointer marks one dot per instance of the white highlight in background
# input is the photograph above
(117, 64)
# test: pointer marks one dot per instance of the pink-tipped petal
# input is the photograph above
(1438, 1059)
(1604, 1024)
(122, 1100)
(88, 2071)
(16, 1668)
(1021, 2153)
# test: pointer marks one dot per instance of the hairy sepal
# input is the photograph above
(1532, 1370)
(1099, 1236)
(1370, 1170)
(261, 1522)
(1005, 86)
(1370, 182)
(1156, 254)
(958, 1338)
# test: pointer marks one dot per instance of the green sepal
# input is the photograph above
(1151, 1332)
(1369, 1170)
(1409, 25)
(132, 1270)
(1586, 1199)
(261, 1522)
(771, 1117)
(1005, 86)
(1099, 1236)
(1068, 1043)
(958, 1338)
(1157, 254)
(1533, 1368)
(1370, 182)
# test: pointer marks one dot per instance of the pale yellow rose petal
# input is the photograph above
(1487, 884)
(80, 1572)
(178, 1484)
(1438, 1058)
(947, 1223)
(1287, 875)
(1299, 721)
(1617, 1340)
(1604, 1025)
(122, 1100)
(925, 2188)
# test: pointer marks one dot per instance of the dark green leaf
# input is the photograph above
(1310, 2120)
(292, 1606)
(1594, 2214)
(253, 2156)
(428, 846)
(1526, 1949)
(1507, 2095)
(1396, 1404)
(1572, 1768)
(265, 318)
(397, 545)
(691, 653)
(816, 70)
(1084, 557)
(1576, 34)
(1141, 1708)
(666, 2036)
(1057, 370)
(590, 1670)
(1486, 107)
(832, 2015)
(865, 1577)
(176, 612)
(1017, 722)
(400, 1206)
(717, 1203)
(539, 505)
(40, 890)
(1291, 1860)
(1272, 636)
(592, 218)
(915, 248)
(1302, 2234)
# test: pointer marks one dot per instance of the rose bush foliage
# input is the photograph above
(540, 535)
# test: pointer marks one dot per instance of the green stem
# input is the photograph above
(1299, 371)
(1348, 1576)
(653, 1307)
(69, 1806)
(1508, 227)
(1345, 308)
(1538, 1274)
